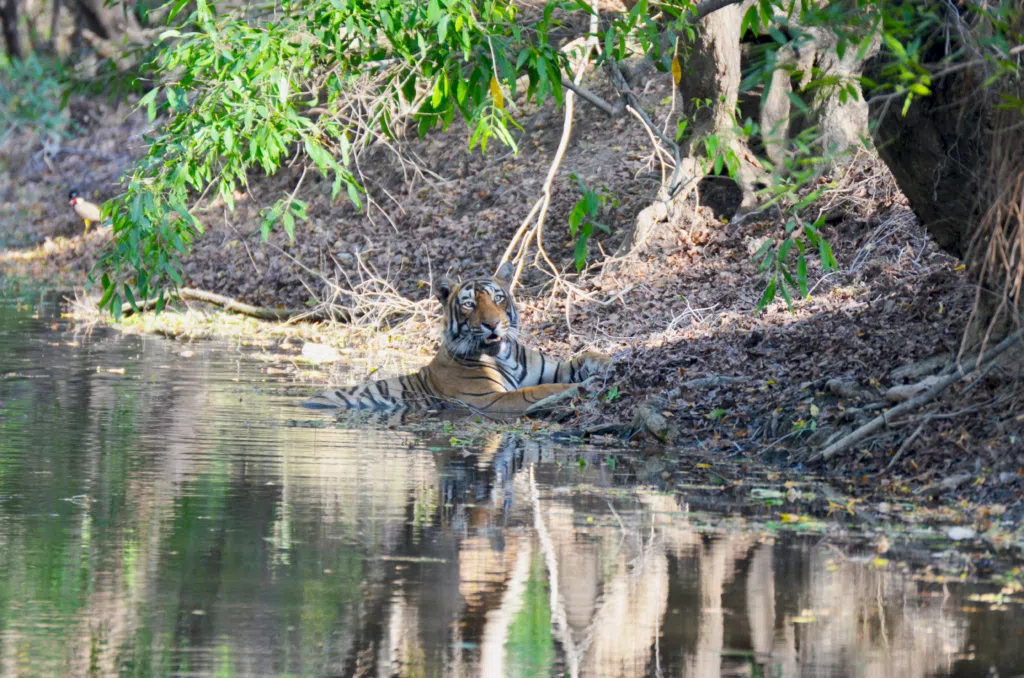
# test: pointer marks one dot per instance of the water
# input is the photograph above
(166, 509)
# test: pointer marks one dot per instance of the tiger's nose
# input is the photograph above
(492, 326)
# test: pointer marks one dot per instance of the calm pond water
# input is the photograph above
(167, 509)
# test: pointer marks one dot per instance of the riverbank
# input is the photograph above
(678, 317)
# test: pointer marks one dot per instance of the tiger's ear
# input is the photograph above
(442, 290)
(504, 274)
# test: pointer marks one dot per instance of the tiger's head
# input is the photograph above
(479, 315)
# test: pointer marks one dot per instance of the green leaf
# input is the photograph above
(282, 89)
(801, 274)
(768, 296)
(809, 199)
(750, 22)
(581, 253)
(828, 260)
(130, 296)
(784, 249)
(895, 46)
(289, 225)
(435, 100)
(576, 217)
(353, 194)
(149, 101)
(763, 249)
(785, 296)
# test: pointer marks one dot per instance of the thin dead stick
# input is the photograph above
(882, 420)
(904, 447)
(540, 208)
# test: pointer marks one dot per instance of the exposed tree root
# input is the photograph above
(915, 403)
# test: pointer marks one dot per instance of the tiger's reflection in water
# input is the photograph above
(625, 583)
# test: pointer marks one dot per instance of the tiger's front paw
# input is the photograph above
(594, 363)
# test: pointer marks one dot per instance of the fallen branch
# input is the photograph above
(882, 420)
(228, 304)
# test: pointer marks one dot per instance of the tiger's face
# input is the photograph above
(478, 314)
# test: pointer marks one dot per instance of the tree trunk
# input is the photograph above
(960, 161)
(711, 75)
(108, 22)
(9, 21)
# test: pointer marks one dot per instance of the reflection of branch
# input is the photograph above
(551, 560)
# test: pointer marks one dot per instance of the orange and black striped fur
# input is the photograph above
(481, 364)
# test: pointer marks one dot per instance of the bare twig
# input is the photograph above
(904, 447)
(525, 234)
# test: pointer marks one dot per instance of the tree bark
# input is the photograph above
(711, 75)
(9, 21)
(108, 22)
(958, 158)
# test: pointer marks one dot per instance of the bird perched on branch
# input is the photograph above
(89, 212)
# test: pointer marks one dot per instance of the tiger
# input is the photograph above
(480, 364)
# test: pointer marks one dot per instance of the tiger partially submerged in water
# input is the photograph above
(480, 364)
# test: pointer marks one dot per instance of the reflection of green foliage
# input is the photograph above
(424, 508)
(530, 649)
(94, 528)
(225, 662)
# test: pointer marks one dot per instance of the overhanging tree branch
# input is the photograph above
(615, 110)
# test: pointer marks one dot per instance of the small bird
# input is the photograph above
(89, 212)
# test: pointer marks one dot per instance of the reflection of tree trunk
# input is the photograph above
(717, 565)
(558, 614)
(761, 601)
(492, 646)
(625, 628)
